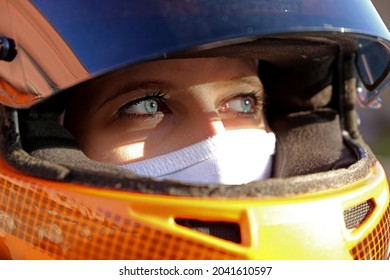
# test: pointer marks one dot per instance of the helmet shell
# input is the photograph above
(47, 211)
(62, 44)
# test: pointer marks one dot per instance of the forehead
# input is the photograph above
(170, 75)
(191, 71)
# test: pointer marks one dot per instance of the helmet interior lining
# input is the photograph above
(312, 151)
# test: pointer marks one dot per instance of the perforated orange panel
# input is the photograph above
(60, 228)
(376, 245)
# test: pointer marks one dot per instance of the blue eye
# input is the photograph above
(240, 104)
(147, 106)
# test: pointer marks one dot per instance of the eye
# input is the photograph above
(148, 106)
(144, 107)
(240, 104)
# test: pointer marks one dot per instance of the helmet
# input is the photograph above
(327, 198)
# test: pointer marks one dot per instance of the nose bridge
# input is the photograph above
(210, 123)
(204, 116)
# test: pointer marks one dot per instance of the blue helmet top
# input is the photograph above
(105, 35)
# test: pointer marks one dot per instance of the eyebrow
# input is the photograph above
(137, 85)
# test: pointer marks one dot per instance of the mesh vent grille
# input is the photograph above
(223, 230)
(376, 245)
(357, 214)
(62, 228)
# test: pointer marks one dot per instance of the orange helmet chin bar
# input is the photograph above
(41, 219)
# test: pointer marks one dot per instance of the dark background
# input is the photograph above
(375, 124)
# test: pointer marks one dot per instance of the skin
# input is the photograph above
(161, 106)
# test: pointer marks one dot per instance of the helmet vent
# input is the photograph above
(223, 230)
(357, 214)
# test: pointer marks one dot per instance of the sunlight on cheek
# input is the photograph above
(129, 152)
(217, 126)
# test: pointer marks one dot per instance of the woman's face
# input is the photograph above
(162, 106)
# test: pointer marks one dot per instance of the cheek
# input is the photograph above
(128, 153)
(231, 123)
(121, 142)
(114, 148)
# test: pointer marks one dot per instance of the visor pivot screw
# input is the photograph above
(7, 49)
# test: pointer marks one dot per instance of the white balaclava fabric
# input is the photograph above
(232, 157)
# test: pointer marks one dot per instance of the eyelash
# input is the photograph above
(159, 95)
